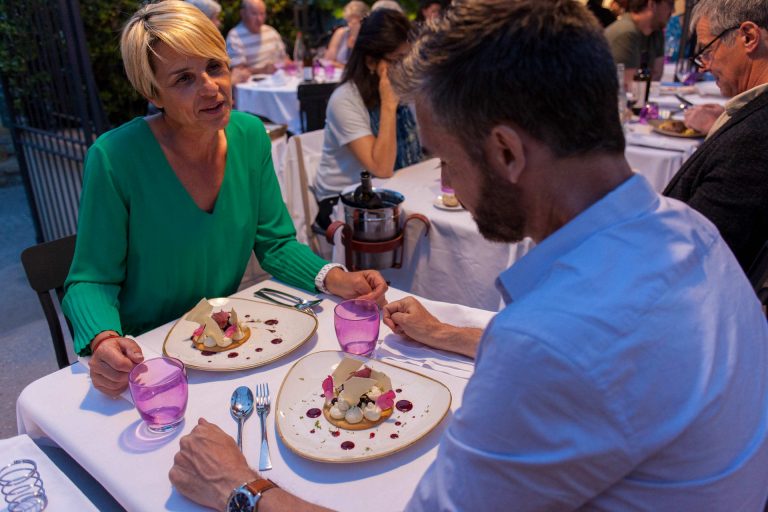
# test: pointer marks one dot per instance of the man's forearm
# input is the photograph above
(461, 340)
(279, 500)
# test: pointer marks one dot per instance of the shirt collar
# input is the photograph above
(630, 199)
(737, 102)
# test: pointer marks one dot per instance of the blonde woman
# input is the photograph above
(173, 204)
(343, 40)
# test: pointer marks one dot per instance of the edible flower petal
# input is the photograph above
(364, 372)
(386, 401)
(328, 388)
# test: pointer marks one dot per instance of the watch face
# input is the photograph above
(241, 501)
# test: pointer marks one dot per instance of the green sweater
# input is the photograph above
(146, 253)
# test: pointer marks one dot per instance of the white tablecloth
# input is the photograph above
(61, 492)
(101, 433)
(274, 97)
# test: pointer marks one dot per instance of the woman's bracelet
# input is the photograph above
(105, 338)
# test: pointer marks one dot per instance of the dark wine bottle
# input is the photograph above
(365, 196)
(641, 81)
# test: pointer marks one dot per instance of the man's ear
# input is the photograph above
(505, 152)
(751, 36)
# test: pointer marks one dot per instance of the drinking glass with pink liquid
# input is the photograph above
(159, 390)
(357, 326)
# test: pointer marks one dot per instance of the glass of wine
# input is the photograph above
(357, 324)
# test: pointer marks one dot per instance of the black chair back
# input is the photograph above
(313, 100)
(47, 266)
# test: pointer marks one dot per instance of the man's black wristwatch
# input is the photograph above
(246, 497)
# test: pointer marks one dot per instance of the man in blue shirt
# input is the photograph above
(629, 370)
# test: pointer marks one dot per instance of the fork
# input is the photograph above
(286, 299)
(262, 409)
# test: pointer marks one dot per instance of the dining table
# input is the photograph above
(106, 436)
(275, 96)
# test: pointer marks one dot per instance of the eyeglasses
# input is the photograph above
(704, 55)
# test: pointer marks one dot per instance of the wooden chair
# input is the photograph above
(758, 276)
(47, 266)
(313, 100)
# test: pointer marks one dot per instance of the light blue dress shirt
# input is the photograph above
(629, 371)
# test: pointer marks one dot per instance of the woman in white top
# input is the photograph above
(343, 40)
(366, 127)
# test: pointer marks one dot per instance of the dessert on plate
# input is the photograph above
(357, 397)
(217, 331)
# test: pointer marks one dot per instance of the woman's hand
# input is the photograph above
(389, 98)
(209, 466)
(112, 361)
(365, 284)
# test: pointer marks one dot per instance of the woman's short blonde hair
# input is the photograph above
(181, 26)
(356, 8)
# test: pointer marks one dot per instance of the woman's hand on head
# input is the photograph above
(113, 359)
(389, 98)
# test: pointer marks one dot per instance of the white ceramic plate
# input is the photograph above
(438, 203)
(313, 438)
(293, 327)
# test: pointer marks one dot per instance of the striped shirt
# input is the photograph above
(254, 50)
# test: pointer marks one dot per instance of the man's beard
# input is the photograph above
(500, 216)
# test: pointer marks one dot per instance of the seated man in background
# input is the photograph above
(252, 46)
(640, 30)
(726, 179)
(629, 369)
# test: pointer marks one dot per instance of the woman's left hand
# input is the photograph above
(365, 284)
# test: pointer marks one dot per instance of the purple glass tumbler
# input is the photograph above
(159, 390)
(357, 326)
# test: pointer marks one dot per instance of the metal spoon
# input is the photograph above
(241, 408)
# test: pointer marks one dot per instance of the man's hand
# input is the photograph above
(209, 466)
(408, 317)
(112, 361)
(365, 284)
(702, 117)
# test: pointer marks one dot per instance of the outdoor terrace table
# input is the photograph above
(101, 433)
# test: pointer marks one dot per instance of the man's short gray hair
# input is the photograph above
(725, 14)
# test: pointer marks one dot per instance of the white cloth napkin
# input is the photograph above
(397, 349)
(148, 354)
(707, 88)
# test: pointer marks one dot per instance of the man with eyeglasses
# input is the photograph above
(727, 178)
(640, 30)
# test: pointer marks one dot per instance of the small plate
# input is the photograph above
(313, 438)
(292, 327)
(438, 203)
(655, 123)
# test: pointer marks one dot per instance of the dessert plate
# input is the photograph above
(316, 439)
(438, 203)
(275, 331)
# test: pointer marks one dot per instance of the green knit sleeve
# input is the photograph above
(276, 246)
(98, 268)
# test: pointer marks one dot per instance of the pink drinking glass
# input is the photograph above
(357, 326)
(159, 390)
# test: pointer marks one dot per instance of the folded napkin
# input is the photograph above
(639, 135)
(397, 349)
(148, 354)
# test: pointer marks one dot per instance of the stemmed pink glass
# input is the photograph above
(159, 390)
(357, 326)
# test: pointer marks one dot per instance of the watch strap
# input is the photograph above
(260, 486)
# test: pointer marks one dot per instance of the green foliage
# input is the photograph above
(102, 22)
